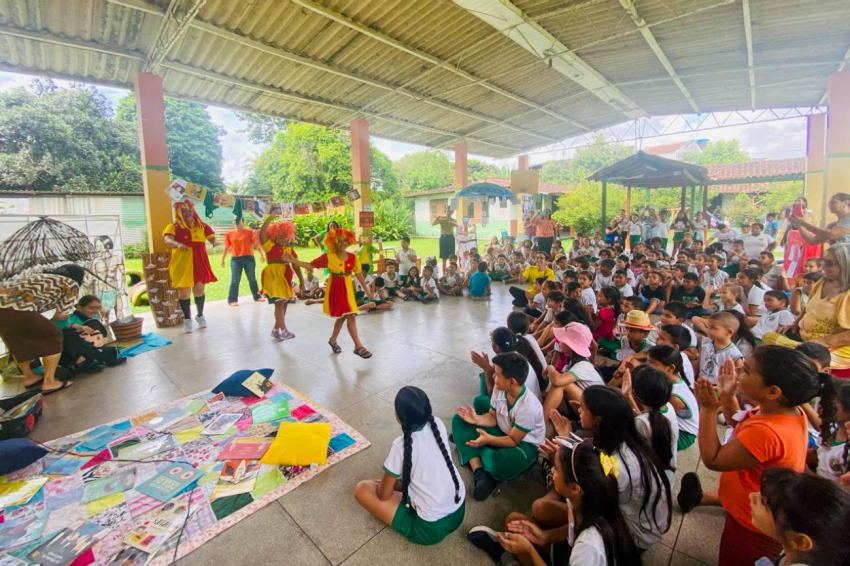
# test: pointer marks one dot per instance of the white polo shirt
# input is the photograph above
(711, 360)
(537, 350)
(771, 321)
(431, 490)
(588, 298)
(687, 418)
(389, 283)
(526, 414)
(585, 374)
(644, 428)
(715, 280)
(756, 297)
(754, 245)
(630, 488)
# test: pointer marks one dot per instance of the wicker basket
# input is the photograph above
(127, 331)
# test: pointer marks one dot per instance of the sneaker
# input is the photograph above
(485, 538)
(277, 335)
(690, 492)
(202, 322)
(286, 334)
(187, 325)
(483, 484)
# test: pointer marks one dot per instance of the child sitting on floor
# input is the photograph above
(501, 269)
(502, 341)
(392, 279)
(621, 283)
(602, 323)
(678, 337)
(427, 286)
(637, 327)
(451, 283)
(410, 284)
(831, 458)
(715, 351)
(800, 295)
(420, 493)
(668, 360)
(776, 303)
(573, 342)
(479, 284)
(312, 286)
(588, 296)
(673, 313)
(502, 444)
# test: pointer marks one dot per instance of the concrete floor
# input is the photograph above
(320, 523)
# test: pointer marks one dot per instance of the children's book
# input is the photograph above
(62, 466)
(217, 402)
(146, 450)
(104, 487)
(128, 556)
(302, 209)
(257, 384)
(166, 418)
(221, 423)
(269, 412)
(20, 492)
(99, 438)
(287, 210)
(245, 448)
(158, 526)
(236, 471)
(170, 481)
(67, 545)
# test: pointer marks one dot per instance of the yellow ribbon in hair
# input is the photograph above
(609, 464)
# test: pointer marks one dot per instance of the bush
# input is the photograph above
(308, 225)
(392, 219)
(135, 251)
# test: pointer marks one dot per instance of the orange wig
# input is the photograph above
(337, 239)
(285, 229)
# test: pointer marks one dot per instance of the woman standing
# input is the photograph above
(339, 292)
(545, 230)
(241, 244)
(29, 335)
(189, 267)
(681, 225)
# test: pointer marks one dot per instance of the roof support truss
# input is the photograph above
(748, 34)
(647, 34)
(179, 16)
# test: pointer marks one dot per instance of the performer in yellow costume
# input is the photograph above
(339, 292)
(189, 267)
(277, 275)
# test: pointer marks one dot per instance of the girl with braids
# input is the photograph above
(420, 494)
(648, 391)
(599, 535)
(830, 458)
(668, 360)
(777, 380)
(502, 340)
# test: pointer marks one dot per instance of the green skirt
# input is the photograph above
(686, 440)
(407, 522)
(678, 236)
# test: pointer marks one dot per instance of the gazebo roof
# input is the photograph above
(485, 190)
(652, 172)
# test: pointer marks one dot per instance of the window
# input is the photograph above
(438, 207)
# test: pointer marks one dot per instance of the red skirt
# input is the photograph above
(739, 546)
(338, 300)
(201, 269)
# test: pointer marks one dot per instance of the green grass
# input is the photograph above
(218, 290)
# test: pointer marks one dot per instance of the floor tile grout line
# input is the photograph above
(308, 537)
(367, 541)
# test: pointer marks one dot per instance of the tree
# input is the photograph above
(424, 170)
(261, 129)
(64, 139)
(717, 153)
(194, 148)
(478, 170)
(307, 163)
(586, 161)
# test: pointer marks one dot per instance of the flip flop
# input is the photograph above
(31, 385)
(65, 385)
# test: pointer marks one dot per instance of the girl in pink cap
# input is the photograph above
(572, 341)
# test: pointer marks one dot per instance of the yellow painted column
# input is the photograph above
(518, 225)
(461, 178)
(150, 110)
(815, 157)
(837, 140)
(361, 174)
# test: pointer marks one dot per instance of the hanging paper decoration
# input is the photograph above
(318, 207)
(302, 208)
(353, 195)
(176, 189)
(337, 201)
(287, 210)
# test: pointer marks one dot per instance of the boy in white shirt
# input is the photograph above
(312, 285)
(405, 256)
(588, 296)
(776, 303)
(451, 283)
(429, 290)
(604, 275)
(502, 444)
(392, 280)
(720, 328)
(621, 283)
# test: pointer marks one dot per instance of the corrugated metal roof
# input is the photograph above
(429, 71)
(778, 169)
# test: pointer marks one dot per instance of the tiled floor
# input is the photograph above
(320, 523)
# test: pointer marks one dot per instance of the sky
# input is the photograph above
(768, 140)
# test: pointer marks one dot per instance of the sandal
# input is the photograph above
(363, 353)
(65, 385)
(34, 384)
(335, 347)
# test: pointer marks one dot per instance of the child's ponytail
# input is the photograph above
(652, 388)
(414, 410)
(828, 393)
(670, 356)
(444, 451)
(507, 341)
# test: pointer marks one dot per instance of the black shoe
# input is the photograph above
(690, 492)
(485, 539)
(483, 484)
(90, 366)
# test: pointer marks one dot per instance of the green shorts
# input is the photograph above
(634, 240)
(407, 522)
(678, 236)
(686, 440)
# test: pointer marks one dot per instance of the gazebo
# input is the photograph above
(652, 172)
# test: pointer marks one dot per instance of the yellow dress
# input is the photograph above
(192, 265)
(277, 276)
(339, 291)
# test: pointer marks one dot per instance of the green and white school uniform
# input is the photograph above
(736, 307)
(645, 530)
(391, 284)
(687, 418)
(644, 428)
(504, 464)
(585, 374)
(711, 360)
(831, 463)
(481, 404)
(433, 513)
(771, 321)
(589, 549)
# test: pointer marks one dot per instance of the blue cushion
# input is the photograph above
(232, 386)
(18, 453)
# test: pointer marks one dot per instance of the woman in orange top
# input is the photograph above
(773, 434)
(189, 266)
(277, 274)
(339, 292)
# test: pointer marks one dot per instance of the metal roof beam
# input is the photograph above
(647, 34)
(228, 35)
(163, 43)
(391, 41)
(841, 67)
(527, 33)
(748, 34)
(45, 37)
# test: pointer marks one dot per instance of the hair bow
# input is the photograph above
(609, 464)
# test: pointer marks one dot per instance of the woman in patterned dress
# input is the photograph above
(339, 293)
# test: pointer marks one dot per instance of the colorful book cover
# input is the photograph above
(99, 438)
(269, 412)
(170, 481)
(145, 450)
(67, 545)
(353, 195)
(158, 526)
(217, 402)
(221, 423)
(318, 207)
(128, 556)
(257, 384)
(166, 418)
(104, 487)
(337, 201)
(245, 448)
(237, 471)
(62, 466)
(20, 492)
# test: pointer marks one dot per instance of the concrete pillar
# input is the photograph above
(150, 110)
(683, 204)
(629, 201)
(361, 174)
(517, 224)
(705, 202)
(837, 140)
(815, 157)
(604, 205)
(461, 179)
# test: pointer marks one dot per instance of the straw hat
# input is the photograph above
(638, 319)
(576, 336)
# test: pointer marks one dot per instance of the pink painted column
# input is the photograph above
(361, 175)
(461, 178)
(815, 158)
(837, 178)
(516, 223)
(150, 110)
